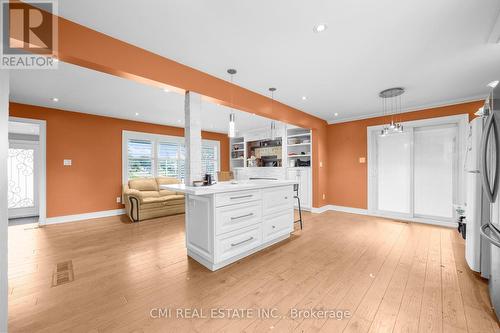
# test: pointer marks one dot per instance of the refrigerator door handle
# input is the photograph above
(491, 193)
(486, 234)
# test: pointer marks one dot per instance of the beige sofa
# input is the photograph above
(144, 199)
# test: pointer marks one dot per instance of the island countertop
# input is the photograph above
(223, 187)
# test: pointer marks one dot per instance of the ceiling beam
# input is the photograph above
(88, 48)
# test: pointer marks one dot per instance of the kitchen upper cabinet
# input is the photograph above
(304, 177)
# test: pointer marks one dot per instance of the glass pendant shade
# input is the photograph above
(232, 126)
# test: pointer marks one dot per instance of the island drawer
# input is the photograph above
(237, 216)
(237, 242)
(277, 225)
(277, 199)
(230, 198)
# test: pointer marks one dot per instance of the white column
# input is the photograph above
(4, 148)
(192, 135)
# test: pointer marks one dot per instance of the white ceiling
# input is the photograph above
(83, 90)
(437, 50)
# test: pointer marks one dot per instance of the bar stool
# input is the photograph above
(296, 196)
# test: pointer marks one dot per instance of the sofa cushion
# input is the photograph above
(176, 199)
(159, 202)
(164, 193)
(166, 181)
(143, 184)
(168, 199)
(144, 195)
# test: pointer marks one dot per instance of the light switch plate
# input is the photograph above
(320, 164)
(362, 160)
(67, 162)
(118, 199)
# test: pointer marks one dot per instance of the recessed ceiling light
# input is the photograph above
(166, 90)
(320, 27)
(493, 84)
(55, 99)
(304, 98)
(137, 113)
(336, 114)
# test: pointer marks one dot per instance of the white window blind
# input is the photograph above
(209, 159)
(140, 158)
(152, 155)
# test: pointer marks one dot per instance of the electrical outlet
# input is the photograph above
(67, 162)
(362, 160)
(320, 164)
(324, 196)
(118, 199)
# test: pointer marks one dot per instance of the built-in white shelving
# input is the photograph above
(238, 152)
(299, 148)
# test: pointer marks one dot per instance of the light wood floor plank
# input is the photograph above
(389, 275)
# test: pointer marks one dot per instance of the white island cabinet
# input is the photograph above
(226, 222)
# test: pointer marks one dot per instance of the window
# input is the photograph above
(140, 158)
(151, 155)
(170, 159)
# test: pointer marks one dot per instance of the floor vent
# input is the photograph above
(63, 273)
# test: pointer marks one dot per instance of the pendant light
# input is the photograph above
(273, 123)
(391, 105)
(232, 117)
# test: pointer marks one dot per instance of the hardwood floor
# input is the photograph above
(386, 276)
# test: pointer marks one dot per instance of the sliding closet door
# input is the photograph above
(394, 173)
(435, 169)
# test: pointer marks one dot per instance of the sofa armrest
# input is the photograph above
(132, 193)
(132, 200)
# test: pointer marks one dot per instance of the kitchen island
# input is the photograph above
(226, 222)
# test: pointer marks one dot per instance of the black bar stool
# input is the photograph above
(296, 196)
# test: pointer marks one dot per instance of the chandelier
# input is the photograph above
(391, 104)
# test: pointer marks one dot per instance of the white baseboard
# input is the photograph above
(360, 211)
(80, 217)
(320, 210)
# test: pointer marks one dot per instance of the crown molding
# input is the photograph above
(406, 110)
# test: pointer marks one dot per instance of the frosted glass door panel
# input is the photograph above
(434, 170)
(22, 180)
(394, 173)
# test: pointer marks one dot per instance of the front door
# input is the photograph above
(23, 179)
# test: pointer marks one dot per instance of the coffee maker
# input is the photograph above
(208, 180)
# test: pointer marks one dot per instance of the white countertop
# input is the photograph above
(222, 187)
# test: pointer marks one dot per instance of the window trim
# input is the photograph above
(156, 138)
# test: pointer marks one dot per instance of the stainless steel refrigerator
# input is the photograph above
(490, 176)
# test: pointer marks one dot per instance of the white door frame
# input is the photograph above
(42, 165)
(461, 121)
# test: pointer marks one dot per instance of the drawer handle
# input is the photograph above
(242, 216)
(239, 243)
(241, 197)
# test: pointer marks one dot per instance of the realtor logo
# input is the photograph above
(29, 35)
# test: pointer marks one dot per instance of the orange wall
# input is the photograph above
(347, 142)
(94, 143)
